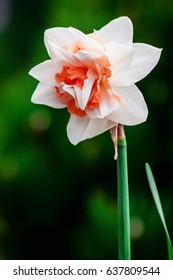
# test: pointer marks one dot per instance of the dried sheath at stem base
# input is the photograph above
(117, 133)
(114, 137)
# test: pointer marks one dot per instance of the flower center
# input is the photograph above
(75, 76)
(72, 75)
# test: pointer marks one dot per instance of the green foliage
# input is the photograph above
(155, 194)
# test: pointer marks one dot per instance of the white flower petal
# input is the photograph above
(120, 57)
(119, 30)
(63, 37)
(60, 36)
(61, 56)
(87, 57)
(79, 129)
(83, 95)
(90, 43)
(45, 72)
(78, 97)
(133, 109)
(145, 59)
(46, 95)
(106, 106)
(67, 88)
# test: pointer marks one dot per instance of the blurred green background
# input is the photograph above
(58, 201)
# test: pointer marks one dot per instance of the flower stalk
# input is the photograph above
(124, 251)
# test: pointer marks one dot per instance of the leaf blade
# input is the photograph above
(157, 201)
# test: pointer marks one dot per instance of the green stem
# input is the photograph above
(123, 198)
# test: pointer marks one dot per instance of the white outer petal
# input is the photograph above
(79, 129)
(67, 36)
(45, 72)
(46, 95)
(61, 55)
(60, 36)
(119, 30)
(90, 43)
(144, 60)
(120, 57)
(133, 109)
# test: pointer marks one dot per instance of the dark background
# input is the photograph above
(58, 201)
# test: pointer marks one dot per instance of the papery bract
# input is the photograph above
(94, 77)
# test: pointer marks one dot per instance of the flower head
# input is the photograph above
(94, 77)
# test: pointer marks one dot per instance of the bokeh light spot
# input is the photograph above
(137, 227)
(40, 120)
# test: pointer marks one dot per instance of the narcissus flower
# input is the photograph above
(94, 77)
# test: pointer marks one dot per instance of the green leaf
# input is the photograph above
(157, 201)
